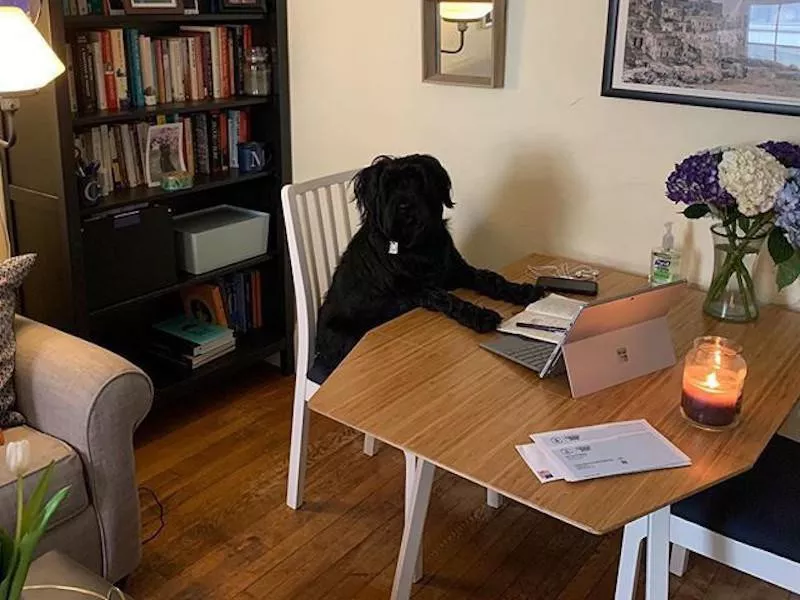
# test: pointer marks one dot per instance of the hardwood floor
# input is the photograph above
(218, 464)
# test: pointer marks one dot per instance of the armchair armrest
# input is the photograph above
(93, 400)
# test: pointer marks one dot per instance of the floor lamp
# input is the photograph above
(27, 64)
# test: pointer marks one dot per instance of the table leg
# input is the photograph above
(657, 580)
(411, 477)
(412, 532)
(629, 556)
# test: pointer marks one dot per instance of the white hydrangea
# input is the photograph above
(753, 177)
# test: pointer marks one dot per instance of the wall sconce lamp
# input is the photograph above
(463, 13)
(27, 64)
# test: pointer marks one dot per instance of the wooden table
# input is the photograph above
(422, 384)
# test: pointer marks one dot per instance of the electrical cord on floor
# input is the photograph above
(161, 522)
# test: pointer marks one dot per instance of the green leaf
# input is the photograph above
(789, 271)
(696, 211)
(779, 247)
(35, 502)
(29, 542)
(744, 223)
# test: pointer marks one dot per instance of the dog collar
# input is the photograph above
(394, 247)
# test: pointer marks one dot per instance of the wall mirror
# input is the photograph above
(464, 43)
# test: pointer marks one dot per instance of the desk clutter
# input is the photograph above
(605, 450)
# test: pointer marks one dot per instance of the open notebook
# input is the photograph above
(551, 311)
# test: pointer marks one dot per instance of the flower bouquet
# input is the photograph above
(753, 193)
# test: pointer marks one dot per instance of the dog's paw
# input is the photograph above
(486, 320)
(525, 293)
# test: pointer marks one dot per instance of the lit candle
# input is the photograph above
(713, 378)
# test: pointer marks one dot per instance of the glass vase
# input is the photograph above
(732, 294)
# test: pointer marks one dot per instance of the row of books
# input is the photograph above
(111, 8)
(234, 301)
(189, 342)
(209, 146)
(119, 69)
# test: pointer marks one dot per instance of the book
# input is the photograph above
(214, 148)
(120, 68)
(166, 66)
(86, 90)
(158, 67)
(191, 55)
(205, 303)
(109, 78)
(83, 7)
(224, 149)
(99, 70)
(233, 138)
(193, 334)
(214, 55)
(190, 360)
(188, 144)
(201, 154)
(225, 82)
(134, 67)
(148, 76)
(121, 160)
(116, 168)
(73, 92)
(259, 308)
(106, 175)
(554, 311)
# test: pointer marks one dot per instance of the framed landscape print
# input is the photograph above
(740, 54)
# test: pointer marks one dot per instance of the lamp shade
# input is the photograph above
(464, 11)
(27, 62)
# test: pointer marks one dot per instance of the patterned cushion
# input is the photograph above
(12, 272)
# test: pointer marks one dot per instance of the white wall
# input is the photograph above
(544, 164)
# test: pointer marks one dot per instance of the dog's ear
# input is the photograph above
(440, 178)
(366, 186)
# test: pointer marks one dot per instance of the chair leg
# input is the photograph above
(493, 499)
(411, 474)
(678, 560)
(629, 559)
(297, 452)
(371, 445)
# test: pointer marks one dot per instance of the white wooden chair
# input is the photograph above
(755, 513)
(320, 222)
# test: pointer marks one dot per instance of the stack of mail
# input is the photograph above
(600, 451)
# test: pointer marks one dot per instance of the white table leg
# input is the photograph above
(411, 477)
(412, 532)
(679, 560)
(629, 558)
(657, 581)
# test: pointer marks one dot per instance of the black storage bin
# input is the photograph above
(127, 255)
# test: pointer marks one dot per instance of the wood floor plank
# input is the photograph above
(218, 465)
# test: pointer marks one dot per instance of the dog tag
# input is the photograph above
(394, 247)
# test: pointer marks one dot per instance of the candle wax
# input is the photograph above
(711, 397)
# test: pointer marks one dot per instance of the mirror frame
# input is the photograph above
(431, 47)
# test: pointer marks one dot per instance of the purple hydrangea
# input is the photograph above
(787, 208)
(788, 154)
(696, 180)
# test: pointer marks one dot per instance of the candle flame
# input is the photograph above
(712, 381)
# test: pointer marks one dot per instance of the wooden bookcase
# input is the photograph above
(46, 216)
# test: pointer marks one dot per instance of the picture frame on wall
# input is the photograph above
(243, 5)
(736, 54)
(153, 7)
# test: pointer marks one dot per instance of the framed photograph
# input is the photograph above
(153, 7)
(739, 54)
(243, 6)
(164, 151)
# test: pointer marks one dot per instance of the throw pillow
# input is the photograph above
(12, 272)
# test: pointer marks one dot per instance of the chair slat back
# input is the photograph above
(320, 222)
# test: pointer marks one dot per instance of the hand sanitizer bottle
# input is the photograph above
(665, 262)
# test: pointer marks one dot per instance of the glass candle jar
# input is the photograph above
(258, 75)
(713, 379)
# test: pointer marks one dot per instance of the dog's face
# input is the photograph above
(404, 197)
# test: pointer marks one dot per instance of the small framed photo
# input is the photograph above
(243, 5)
(153, 7)
(164, 152)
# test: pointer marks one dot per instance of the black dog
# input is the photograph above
(401, 258)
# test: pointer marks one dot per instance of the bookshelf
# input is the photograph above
(46, 215)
